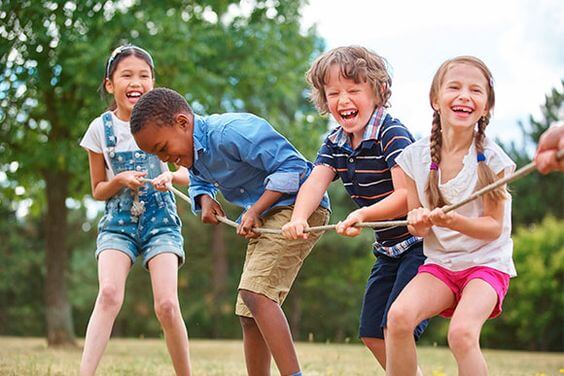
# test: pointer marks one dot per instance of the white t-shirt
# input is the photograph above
(95, 140)
(450, 249)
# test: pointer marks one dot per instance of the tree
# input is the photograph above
(52, 56)
(537, 195)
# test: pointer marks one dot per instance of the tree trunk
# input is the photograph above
(58, 310)
(219, 277)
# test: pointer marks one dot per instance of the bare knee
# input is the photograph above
(401, 321)
(248, 323)
(110, 298)
(167, 311)
(252, 300)
(462, 338)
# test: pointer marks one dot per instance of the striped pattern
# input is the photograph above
(365, 171)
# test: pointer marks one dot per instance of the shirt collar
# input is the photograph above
(340, 137)
(200, 135)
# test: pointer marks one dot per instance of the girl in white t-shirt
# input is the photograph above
(140, 219)
(469, 250)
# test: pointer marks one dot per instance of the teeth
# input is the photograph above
(463, 109)
(134, 94)
(348, 113)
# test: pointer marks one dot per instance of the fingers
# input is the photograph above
(347, 228)
(295, 230)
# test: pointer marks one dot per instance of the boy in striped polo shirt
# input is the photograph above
(353, 85)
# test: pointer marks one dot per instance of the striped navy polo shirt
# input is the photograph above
(366, 171)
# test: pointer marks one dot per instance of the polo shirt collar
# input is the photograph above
(340, 137)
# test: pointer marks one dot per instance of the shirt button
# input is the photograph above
(138, 168)
(216, 184)
(242, 190)
(137, 155)
(351, 160)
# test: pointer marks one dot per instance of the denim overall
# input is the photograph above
(143, 222)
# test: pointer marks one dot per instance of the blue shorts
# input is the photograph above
(154, 232)
(388, 277)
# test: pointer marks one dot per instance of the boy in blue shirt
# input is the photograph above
(257, 169)
(353, 85)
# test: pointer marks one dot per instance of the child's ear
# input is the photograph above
(181, 120)
(109, 86)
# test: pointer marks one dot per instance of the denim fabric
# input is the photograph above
(242, 155)
(155, 231)
(388, 277)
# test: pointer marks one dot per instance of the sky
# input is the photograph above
(521, 41)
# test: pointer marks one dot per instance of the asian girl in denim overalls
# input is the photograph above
(140, 217)
(143, 222)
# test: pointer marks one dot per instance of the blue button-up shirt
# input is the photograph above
(242, 155)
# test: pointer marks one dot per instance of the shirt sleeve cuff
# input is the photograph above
(285, 182)
(194, 193)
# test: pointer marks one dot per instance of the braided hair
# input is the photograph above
(485, 174)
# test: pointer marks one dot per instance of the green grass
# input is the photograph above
(30, 356)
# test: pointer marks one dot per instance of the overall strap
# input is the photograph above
(109, 133)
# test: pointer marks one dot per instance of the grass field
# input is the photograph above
(30, 356)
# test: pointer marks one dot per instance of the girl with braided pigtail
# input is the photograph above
(469, 250)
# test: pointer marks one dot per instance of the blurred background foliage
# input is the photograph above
(223, 56)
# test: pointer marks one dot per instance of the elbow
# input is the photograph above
(495, 232)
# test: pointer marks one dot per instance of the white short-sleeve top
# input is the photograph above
(448, 248)
(94, 139)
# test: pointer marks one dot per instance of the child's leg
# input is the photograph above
(425, 296)
(257, 354)
(271, 322)
(113, 267)
(164, 279)
(377, 291)
(475, 306)
(271, 265)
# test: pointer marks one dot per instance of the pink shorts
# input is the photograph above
(456, 281)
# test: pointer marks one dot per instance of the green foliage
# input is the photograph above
(536, 196)
(534, 304)
(21, 311)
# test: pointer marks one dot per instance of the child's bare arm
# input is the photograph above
(251, 218)
(102, 189)
(393, 206)
(180, 176)
(308, 199)
(487, 227)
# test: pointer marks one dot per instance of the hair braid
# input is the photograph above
(485, 174)
(432, 189)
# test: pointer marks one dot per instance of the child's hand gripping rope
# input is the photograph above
(220, 216)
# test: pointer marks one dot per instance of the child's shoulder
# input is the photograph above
(419, 145)
(392, 127)
(496, 156)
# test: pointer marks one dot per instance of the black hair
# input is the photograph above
(118, 55)
(160, 106)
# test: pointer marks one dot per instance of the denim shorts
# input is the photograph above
(388, 277)
(156, 231)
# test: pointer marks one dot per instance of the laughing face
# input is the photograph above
(171, 143)
(350, 103)
(131, 79)
(462, 97)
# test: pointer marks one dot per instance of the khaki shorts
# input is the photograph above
(273, 262)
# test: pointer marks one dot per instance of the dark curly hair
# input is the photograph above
(158, 106)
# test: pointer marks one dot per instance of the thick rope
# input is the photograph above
(525, 170)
